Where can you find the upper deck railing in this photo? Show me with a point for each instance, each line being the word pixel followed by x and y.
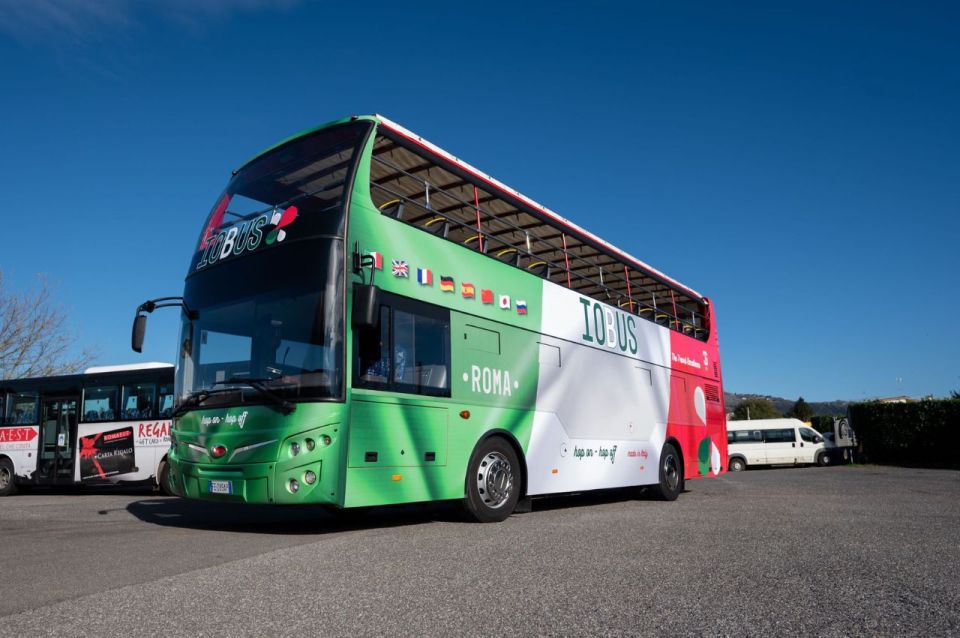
pixel 410 185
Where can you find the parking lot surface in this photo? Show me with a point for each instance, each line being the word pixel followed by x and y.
pixel 854 550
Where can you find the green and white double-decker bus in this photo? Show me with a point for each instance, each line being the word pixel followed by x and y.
pixel 368 320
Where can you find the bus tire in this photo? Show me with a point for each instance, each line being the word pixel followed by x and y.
pixel 8 485
pixel 671 475
pixel 493 482
pixel 823 459
pixel 737 465
pixel 163 478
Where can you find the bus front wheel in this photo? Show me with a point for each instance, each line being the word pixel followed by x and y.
pixel 737 465
pixel 7 484
pixel 493 482
pixel 671 475
pixel 163 478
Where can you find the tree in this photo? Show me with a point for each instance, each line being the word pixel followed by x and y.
pixel 801 410
pixel 34 338
pixel 755 409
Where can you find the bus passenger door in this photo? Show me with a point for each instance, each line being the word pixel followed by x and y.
pixel 58 439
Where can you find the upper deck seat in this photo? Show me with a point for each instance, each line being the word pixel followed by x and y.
pixel 393 208
pixel 540 269
pixel 438 226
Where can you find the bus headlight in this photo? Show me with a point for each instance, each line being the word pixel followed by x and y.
pixel 293 486
pixel 309 477
pixel 310 445
pixel 294 448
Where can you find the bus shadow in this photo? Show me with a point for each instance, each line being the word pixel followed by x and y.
pixel 307 520
pixel 594 498
pixel 268 519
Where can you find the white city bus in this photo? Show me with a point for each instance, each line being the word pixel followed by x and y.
pixel 110 424
pixel 773 442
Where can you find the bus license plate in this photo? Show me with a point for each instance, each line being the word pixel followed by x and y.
pixel 221 487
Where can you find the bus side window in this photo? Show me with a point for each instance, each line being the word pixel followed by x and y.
pixel 138 400
pixel 21 408
pixel 166 401
pixel 407 351
pixel 100 403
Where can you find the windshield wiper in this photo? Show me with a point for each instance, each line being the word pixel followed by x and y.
pixel 260 386
pixel 195 399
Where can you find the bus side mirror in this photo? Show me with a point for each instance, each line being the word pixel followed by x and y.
pixel 366 300
pixel 139 330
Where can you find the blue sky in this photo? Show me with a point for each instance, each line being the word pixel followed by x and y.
pixel 798 163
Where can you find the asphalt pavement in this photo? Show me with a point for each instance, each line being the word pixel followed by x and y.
pixel 855 550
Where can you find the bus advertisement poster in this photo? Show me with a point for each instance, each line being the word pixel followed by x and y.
pixel 106 454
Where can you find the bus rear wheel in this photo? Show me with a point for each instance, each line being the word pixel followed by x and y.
pixel 671 475
pixel 7 484
pixel 493 482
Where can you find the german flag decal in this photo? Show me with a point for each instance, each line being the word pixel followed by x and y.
pixel 446 284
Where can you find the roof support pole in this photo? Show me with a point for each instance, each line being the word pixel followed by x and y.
pixel 566 258
pixel 626 274
pixel 674 298
pixel 476 203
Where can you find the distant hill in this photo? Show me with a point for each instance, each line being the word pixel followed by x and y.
pixel 784 405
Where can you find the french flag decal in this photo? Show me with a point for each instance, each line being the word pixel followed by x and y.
pixel 425 276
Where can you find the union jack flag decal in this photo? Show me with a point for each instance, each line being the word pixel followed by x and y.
pixel 400 268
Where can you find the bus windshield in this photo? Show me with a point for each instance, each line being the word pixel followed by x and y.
pixel 293 192
pixel 265 286
pixel 274 318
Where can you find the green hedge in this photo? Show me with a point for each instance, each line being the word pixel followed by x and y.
pixel 926 433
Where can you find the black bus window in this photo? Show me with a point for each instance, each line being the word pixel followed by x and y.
pixel 166 401
pixel 21 409
pixel 373 350
pixel 138 400
pixel 100 403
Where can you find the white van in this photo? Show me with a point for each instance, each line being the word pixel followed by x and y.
pixel 773 442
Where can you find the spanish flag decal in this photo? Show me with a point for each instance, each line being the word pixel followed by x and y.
pixel 446 284
pixel 467 291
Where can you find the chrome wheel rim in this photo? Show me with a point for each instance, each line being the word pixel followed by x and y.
pixel 5 478
pixel 671 472
pixel 494 480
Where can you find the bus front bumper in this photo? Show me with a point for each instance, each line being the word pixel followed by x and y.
pixel 255 483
